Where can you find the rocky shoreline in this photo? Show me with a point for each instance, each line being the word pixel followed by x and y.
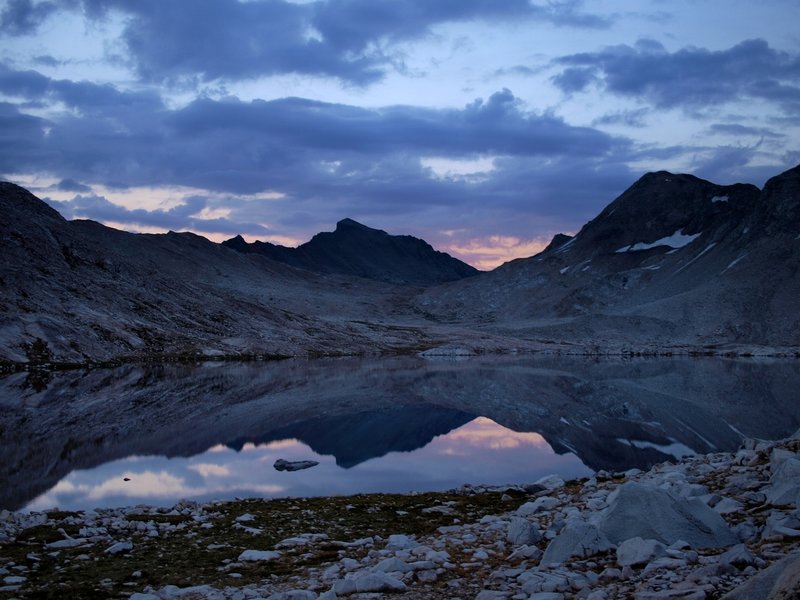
pixel 709 526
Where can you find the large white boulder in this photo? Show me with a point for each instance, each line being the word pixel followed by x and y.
pixel 640 510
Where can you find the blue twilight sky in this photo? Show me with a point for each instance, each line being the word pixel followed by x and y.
pixel 483 126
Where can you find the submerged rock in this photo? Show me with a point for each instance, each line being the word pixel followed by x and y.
pixel 296 465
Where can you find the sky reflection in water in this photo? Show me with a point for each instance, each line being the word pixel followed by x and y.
pixel 480 451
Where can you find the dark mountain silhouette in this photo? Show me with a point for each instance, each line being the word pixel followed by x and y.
pixel 675 260
pixel 355 249
pixel 675 264
pixel 357 437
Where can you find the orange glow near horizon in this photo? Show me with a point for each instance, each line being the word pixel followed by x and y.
pixel 488 253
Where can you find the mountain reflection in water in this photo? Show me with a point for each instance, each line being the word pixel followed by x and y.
pixel 481 450
pixel 400 424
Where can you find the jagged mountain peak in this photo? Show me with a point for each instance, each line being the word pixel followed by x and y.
pixel 558 241
pixel 349 224
pixel 356 249
pixel 779 209
pixel 662 206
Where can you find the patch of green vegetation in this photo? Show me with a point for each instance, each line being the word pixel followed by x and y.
pixel 191 552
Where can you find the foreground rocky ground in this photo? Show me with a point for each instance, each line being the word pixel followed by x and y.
pixel 712 526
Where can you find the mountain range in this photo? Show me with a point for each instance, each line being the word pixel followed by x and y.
pixel 355 249
pixel 675 264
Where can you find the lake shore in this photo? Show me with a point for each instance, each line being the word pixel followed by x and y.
pixel 703 527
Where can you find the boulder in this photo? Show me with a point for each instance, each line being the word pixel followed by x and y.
pixel 784 485
pixel 639 510
pixel 780 581
pixel 522 532
pixel 543 503
pixel 738 556
pixel 399 541
pixel 577 539
pixel 637 551
pixel 367 583
pixel 293 595
pixel 258 555
pixel 550 482
pixel 392 564
pixel 119 547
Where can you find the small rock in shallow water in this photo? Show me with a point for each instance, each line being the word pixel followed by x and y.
pixel 296 465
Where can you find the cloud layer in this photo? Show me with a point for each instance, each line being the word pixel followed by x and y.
pixel 351 40
pixel 690 77
pixel 187 100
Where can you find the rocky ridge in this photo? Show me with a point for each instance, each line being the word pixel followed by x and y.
pixel 720 525
pixel 674 260
pixel 674 265
pixel 358 250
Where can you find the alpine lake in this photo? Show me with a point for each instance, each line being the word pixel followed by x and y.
pixel 155 434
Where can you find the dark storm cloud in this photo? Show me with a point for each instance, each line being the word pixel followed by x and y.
pixel 83 95
pixel 183 216
pixel 70 185
pixel 495 126
pixel 691 77
pixel 328 160
pixel 130 138
pixel 351 40
pixel 23 17
pixel 574 79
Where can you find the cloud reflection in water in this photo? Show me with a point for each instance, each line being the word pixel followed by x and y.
pixel 480 451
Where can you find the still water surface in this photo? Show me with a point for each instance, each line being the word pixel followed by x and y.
pixel 480 451
pixel 158 434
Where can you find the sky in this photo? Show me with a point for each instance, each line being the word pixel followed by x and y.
pixel 482 126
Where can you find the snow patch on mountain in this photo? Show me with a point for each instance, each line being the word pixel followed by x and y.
pixel 676 240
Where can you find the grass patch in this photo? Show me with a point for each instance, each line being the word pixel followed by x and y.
pixel 204 550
